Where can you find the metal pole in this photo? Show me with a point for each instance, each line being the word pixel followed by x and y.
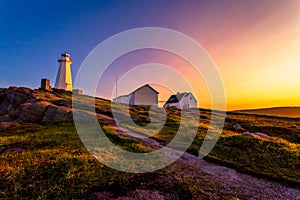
pixel 116 85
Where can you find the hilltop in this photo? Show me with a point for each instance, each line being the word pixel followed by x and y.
pixel 41 155
pixel 275 111
pixel 20 104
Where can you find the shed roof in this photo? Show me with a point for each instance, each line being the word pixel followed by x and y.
pixel 147 85
pixel 128 95
pixel 175 98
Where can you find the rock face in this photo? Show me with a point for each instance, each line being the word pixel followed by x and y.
pixel 19 104
pixel 31 112
pixel 57 114
pixel 5 107
pixel 23 104
pixel 257 135
pixel 13 97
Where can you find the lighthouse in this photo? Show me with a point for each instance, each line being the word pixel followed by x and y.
pixel 64 76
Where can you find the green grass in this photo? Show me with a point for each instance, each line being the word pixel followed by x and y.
pixel 55 165
pixel 48 161
pixel 277 158
pixel 286 128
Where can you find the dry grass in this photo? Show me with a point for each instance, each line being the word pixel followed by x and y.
pixel 48 161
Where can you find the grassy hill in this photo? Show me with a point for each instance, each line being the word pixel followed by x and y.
pixel 46 160
pixel 276 111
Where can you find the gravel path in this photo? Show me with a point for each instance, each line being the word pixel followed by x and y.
pixel 255 188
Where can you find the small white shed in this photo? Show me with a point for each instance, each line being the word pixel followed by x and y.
pixel 144 95
pixel 181 100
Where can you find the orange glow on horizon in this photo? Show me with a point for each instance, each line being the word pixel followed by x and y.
pixel 258 58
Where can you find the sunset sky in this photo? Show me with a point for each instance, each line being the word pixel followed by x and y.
pixel 255 44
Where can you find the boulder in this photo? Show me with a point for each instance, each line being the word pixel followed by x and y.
pixel 63 102
pixel 57 114
pixel 18 96
pixel 238 128
pixel 13 88
pixel 13 97
pixel 10 94
pixel 257 135
pixel 5 107
pixel 25 90
pixel 31 112
pixel 261 135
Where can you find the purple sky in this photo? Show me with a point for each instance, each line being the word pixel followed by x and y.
pixel 34 33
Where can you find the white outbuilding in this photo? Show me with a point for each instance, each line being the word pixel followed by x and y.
pixel 144 95
pixel 181 100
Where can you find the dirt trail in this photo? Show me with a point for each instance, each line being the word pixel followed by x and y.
pixel 255 188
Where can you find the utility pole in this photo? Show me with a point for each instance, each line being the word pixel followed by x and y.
pixel 116 85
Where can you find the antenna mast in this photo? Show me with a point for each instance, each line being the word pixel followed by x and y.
pixel 116 85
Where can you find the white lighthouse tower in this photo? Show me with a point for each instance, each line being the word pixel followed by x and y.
pixel 64 76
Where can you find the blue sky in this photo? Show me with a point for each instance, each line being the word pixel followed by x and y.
pixel 251 41
pixel 34 33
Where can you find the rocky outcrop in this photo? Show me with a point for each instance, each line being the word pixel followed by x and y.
pixel 27 105
pixel 31 112
pixel 257 135
pixel 13 97
pixel 6 108
pixel 238 128
pixel 19 104
pixel 57 114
